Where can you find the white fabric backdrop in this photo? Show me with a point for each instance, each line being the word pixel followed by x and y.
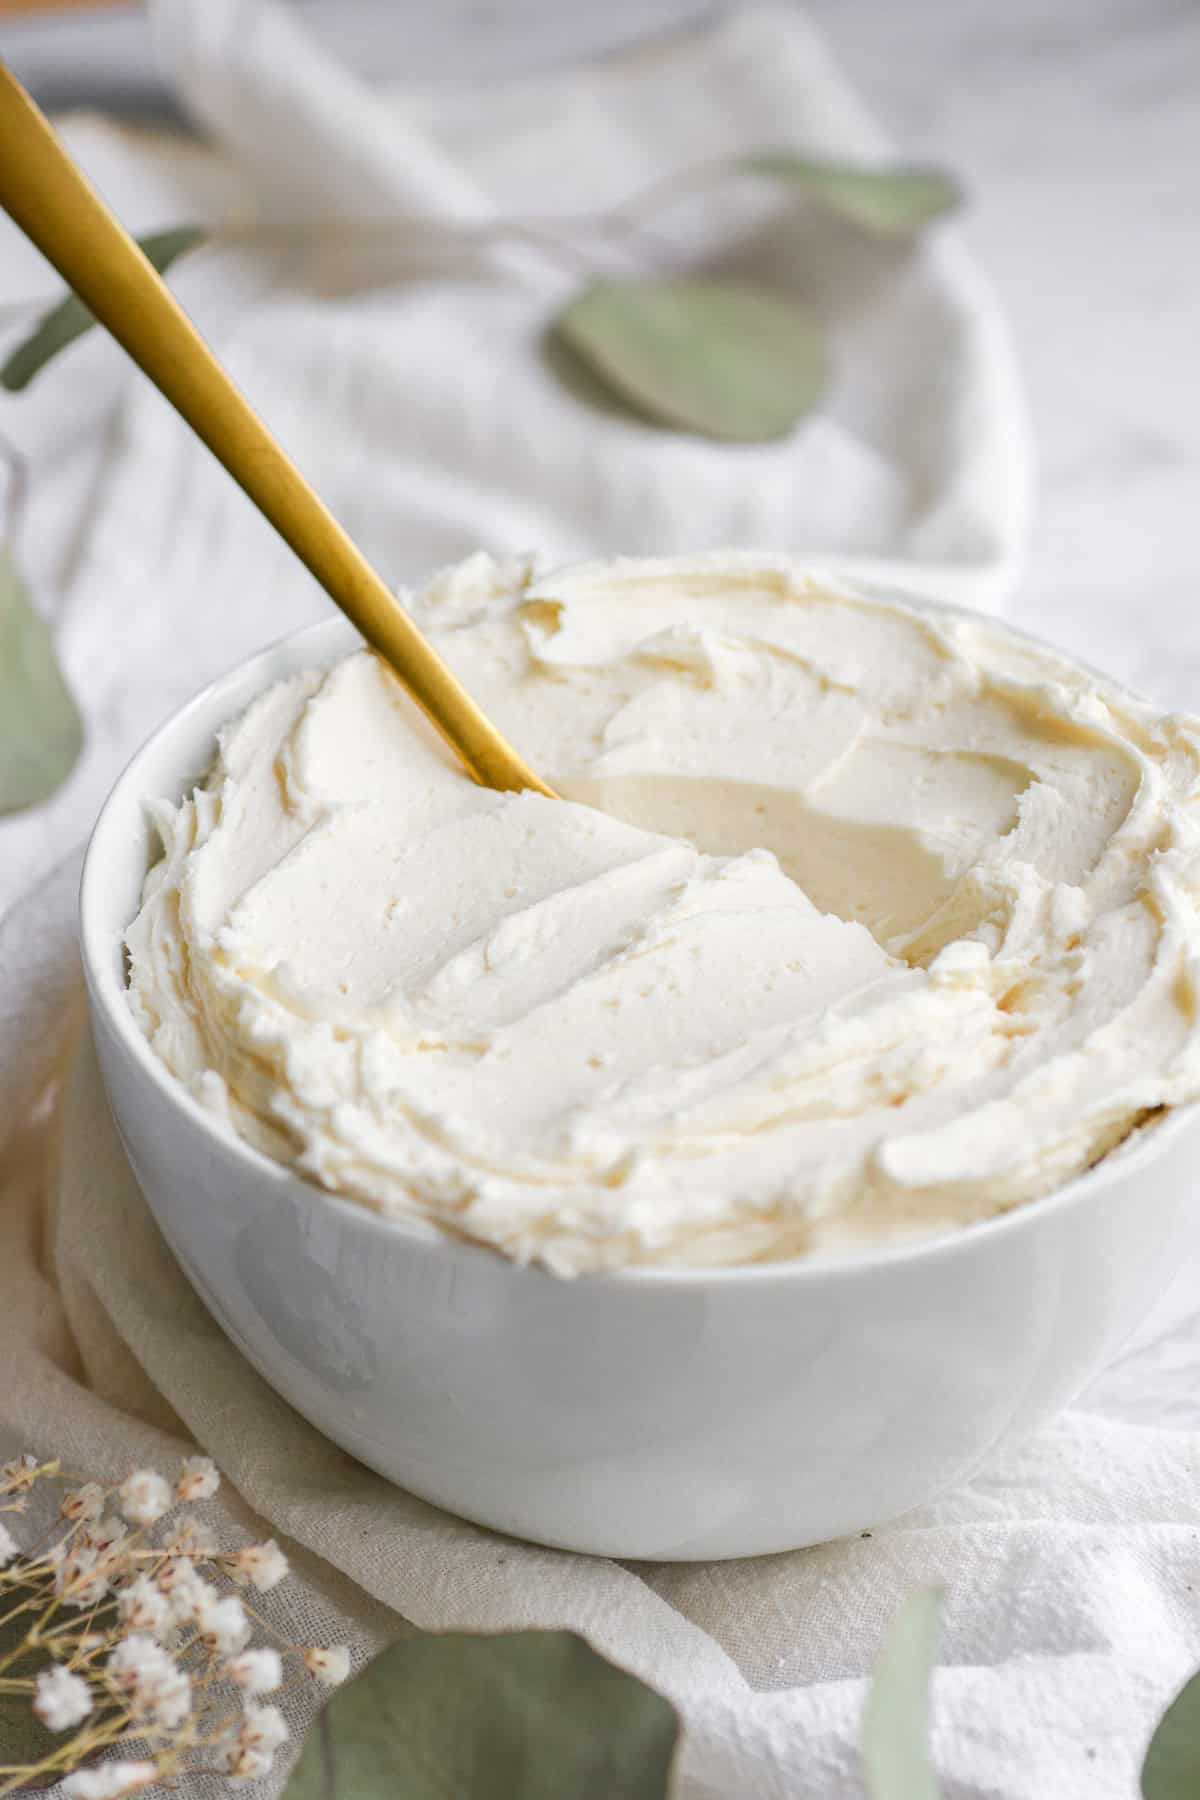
pixel 421 408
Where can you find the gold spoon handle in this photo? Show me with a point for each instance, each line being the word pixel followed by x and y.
pixel 54 204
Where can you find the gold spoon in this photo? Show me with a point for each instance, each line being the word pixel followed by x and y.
pixel 55 205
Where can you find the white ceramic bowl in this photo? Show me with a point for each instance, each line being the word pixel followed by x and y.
pixel 650 1413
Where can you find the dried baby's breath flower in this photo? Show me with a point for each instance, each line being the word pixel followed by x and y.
pixel 257 1671
pixel 157 1688
pixel 198 1479
pixel 141 1606
pixel 164 1649
pixel 81 1578
pixel 190 1595
pixel 136 1659
pixel 144 1497
pixel 250 1748
pixel 171 1701
pixel 222 1624
pixel 83 1503
pixel 262 1565
pixel 173 1573
pixel 19 1474
pixel 330 1666
pixel 190 1538
pixel 243 1765
pixel 61 1699
pixel 263 1728
pixel 104 1533
pixel 109 1781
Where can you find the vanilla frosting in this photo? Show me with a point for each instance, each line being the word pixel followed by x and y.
pixel 857 921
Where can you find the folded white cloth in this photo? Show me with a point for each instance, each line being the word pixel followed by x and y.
pixel 422 409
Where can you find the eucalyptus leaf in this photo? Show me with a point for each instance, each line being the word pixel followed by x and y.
pixel 1171 1770
pixel 526 1715
pixel 41 733
pixel 71 318
pixel 580 380
pixel 889 203
pixel 894 1742
pixel 726 359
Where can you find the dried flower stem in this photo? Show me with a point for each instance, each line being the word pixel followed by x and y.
pixel 140 1644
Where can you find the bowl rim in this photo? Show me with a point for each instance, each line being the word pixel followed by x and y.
pixel 1144 1145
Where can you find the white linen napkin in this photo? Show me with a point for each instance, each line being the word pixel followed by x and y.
pixel 423 411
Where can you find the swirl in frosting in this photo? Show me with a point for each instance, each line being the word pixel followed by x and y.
pixel 858 921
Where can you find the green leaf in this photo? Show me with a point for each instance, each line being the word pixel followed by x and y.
pixel 71 318
pixel 889 203
pixel 41 732
pixel 1171 1770
pixel 894 1744
pixel 726 359
pixel 528 1715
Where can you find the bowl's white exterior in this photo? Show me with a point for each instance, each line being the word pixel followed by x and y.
pixel 659 1414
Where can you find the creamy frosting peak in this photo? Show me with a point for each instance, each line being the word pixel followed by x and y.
pixel 857 921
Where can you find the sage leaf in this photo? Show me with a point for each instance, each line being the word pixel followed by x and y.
pixel 1171 1770
pixel 725 359
pixel 41 733
pixel 894 1742
pixel 525 1715
pixel 71 318
pixel 888 203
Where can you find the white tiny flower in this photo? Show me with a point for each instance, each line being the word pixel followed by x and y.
pixel 171 1699
pixel 257 1671
pixel 9 1546
pixel 144 1497
pixel 143 1607
pixel 158 1689
pixel 198 1479
pixel 262 1728
pixel 109 1780
pixel 81 1578
pixel 19 1474
pixel 222 1624
pixel 104 1533
pixel 189 1595
pixel 249 1750
pixel 176 1572
pixel 330 1666
pixel 262 1565
pixel 61 1699
pixel 190 1538
pixel 86 1502
pixel 243 1765
pixel 136 1659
